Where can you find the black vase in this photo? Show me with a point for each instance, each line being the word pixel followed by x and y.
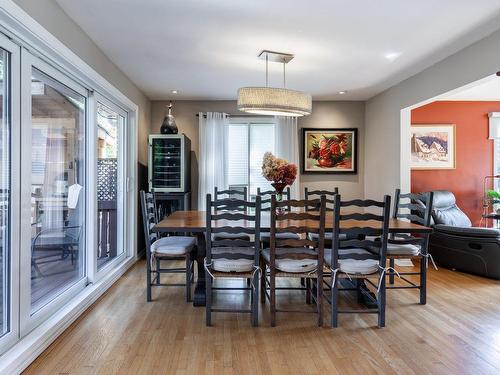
pixel 169 126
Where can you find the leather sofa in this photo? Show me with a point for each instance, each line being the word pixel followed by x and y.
pixel 456 244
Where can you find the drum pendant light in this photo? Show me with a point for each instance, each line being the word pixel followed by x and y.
pixel 272 100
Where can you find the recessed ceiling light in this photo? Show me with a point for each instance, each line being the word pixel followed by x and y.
pixel 391 56
pixel 342 92
pixel 175 91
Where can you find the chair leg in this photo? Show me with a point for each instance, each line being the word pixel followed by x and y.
pixel 359 294
pixel 255 300
pixel 263 282
pixel 391 273
pixel 272 293
pixel 189 265
pixel 148 280
pixel 308 290
pixel 334 295
pixel 423 281
pixel 158 263
pixel 381 304
pixel 319 297
pixel 208 298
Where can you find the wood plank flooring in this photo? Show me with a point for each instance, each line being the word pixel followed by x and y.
pixel 457 332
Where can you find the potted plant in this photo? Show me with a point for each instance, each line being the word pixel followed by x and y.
pixel 279 172
pixel 494 197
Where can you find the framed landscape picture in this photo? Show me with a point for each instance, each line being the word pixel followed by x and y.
pixel 432 146
pixel 329 150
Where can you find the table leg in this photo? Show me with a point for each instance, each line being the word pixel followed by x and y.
pixel 199 290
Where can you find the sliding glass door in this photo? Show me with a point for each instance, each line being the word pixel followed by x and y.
pixel 53 189
pixel 109 137
pixel 9 191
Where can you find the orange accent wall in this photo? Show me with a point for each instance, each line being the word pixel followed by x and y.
pixel 474 152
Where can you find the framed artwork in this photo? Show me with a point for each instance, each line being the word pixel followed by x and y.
pixel 329 150
pixel 433 146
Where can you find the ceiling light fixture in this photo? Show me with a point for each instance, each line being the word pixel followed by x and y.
pixel 342 92
pixel 175 92
pixel 272 100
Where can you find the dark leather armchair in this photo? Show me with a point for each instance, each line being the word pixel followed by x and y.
pixel 456 244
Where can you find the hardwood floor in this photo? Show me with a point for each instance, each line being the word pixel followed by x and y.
pixel 457 332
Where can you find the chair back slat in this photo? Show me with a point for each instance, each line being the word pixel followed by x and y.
pixel 149 218
pixel 361 216
pixel 234 222
pixel 329 194
pixel 362 203
pixel 310 221
pixel 419 204
pixel 232 226
pixel 226 198
pixel 345 235
pixel 266 198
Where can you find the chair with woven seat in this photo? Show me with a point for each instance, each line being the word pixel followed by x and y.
pixel 232 257
pixel 330 196
pixel 358 253
pixel 404 246
pixel 266 206
pixel 300 258
pixel 160 249
pixel 232 195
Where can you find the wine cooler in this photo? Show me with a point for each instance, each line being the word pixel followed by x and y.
pixel 168 169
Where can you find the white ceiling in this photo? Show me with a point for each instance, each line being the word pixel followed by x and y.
pixel 206 49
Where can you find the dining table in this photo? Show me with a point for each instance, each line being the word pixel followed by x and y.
pixel 195 222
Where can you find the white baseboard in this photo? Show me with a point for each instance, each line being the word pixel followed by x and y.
pixel 16 359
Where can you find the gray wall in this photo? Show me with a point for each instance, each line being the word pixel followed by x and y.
pixel 325 114
pixel 383 123
pixel 52 17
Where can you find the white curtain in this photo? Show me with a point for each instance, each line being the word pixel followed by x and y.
pixel 213 144
pixel 286 138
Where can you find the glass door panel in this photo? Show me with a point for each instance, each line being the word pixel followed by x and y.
pixel 5 189
pixel 53 190
pixel 57 194
pixel 167 159
pixel 110 126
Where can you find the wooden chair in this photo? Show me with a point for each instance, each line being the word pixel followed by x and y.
pixel 266 206
pixel 404 246
pixel 231 194
pixel 354 257
pixel 295 258
pixel 232 257
pixel 315 194
pixel 330 200
pixel 164 249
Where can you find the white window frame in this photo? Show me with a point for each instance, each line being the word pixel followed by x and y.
pixel 11 336
pixel 29 320
pixel 24 32
pixel 96 274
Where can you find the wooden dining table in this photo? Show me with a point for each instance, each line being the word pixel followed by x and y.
pixel 195 222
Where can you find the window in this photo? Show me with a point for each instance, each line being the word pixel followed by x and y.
pixel 496 163
pixel 247 143
pixel 110 127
